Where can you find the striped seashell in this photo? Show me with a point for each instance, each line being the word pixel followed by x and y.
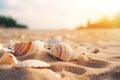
pixel 62 51
pixel 28 47
pixel 32 63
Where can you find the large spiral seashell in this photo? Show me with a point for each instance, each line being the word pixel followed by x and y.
pixel 32 63
pixel 65 52
pixel 62 51
pixel 28 47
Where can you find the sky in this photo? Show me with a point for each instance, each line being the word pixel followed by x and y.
pixel 58 14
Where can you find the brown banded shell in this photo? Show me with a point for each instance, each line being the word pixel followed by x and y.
pixel 32 63
pixel 28 47
pixel 62 51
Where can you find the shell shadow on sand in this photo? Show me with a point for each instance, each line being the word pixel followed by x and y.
pixel 65 66
pixel 115 58
pixel 113 74
pixel 7 73
pixel 43 55
pixel 93 63
pixel 11 73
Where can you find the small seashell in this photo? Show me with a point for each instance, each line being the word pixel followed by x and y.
pixel 78 52
pixel 32 63
pixel 8 59
pixel 82 58
pixel 6 50
pixel 11 44
pixel 11 59
pixel 62 51
pixel 1 47
pixel 29 47
pixel 95 50
pixel 54 40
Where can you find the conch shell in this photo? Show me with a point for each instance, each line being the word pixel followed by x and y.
pixel 65 52
pixel 29 47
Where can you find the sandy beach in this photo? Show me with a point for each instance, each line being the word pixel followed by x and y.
pixel 104 65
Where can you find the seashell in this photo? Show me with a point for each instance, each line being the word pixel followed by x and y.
pixel 78 52
pixel 62 51
pixel 54 40
pixel 8 59
pixel 11 59
pixel 6 50
pixel 29 47
pixel 1 47
pixel 82 58
pixel 32 63
pixel 95 50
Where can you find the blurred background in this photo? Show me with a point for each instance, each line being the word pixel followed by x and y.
pixel 60 14
pixel 75 21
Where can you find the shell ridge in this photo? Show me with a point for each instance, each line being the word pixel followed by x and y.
pixel 23 50
pixel 19 49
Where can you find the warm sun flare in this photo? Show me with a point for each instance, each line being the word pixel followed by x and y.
pixel 110 7
pixel 61 13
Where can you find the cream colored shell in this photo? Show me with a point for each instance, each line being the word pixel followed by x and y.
pixel 8 59
pixel 65 52
pixel 32 63
pixel 62 51
pixel 11 60
pixel 78 52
